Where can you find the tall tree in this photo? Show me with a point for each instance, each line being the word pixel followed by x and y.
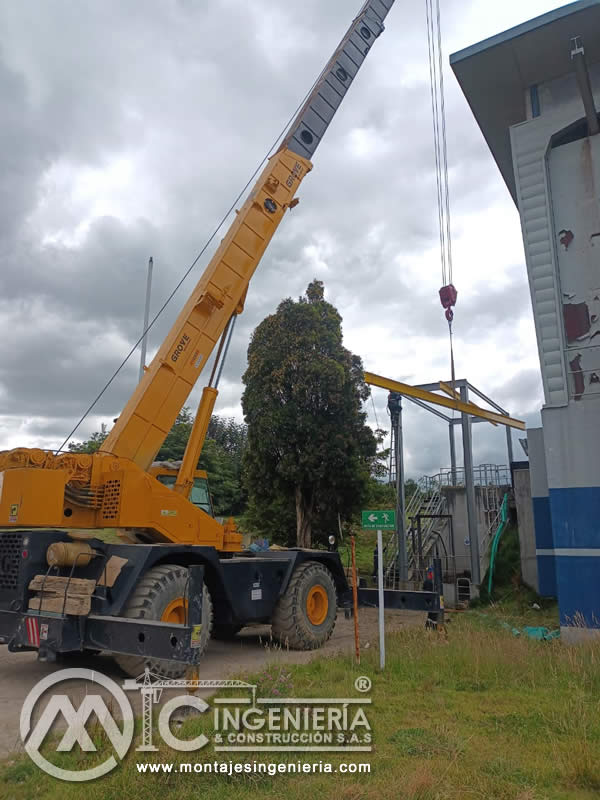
pixel 92 444
pixel 221 456
pixel 176 439
pixel 308 445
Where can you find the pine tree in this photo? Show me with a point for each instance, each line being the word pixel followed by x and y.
pixel 309 448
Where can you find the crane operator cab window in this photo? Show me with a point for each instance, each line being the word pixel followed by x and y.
pixel 199 496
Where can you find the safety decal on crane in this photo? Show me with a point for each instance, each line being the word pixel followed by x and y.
pixel 33 633
pixel 196 637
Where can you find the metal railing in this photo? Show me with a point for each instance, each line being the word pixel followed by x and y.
pixel 483 475
pixel 428 500
pixel 497 515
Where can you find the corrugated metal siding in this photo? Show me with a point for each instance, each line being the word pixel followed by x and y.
pixel 529 142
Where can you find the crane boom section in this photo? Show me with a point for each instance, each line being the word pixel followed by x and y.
pixel 307 129
pixel 114 487
pixel 152 409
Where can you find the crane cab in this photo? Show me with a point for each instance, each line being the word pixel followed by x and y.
pixel 166 473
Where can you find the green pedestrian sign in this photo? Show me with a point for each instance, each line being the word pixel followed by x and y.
pixel 379 520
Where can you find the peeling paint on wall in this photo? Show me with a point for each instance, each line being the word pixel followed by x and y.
pixel 565 238
pixel 575 179
pixel 577 320
pixel 578 378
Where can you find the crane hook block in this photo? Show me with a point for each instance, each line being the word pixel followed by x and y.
pixel 448 295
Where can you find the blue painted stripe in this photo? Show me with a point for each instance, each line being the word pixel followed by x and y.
pixel 575 517
pixel 547 576
pixel 578 583
pixel 542 522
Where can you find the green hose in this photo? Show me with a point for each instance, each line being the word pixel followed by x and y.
pixel 496 540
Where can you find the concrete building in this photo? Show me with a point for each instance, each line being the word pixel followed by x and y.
pixel 525 515
pixel 534 91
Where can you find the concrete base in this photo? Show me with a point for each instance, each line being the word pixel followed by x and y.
pixel 524 506
pixel 570 634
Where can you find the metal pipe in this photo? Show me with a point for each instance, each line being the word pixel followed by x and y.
pixel 146 317
pixel 227 343
pixel 509 448
pixel 381 603
pixel 222 341
pixel 585 88
pixel 452 454
pixel 400 502
pixel 470 491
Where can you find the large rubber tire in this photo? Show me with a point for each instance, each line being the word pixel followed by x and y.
pixel 291 624
pixel 159 587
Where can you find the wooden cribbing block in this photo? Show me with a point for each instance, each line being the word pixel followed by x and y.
pixel 51 591
pixel 57 584
pixel 79 605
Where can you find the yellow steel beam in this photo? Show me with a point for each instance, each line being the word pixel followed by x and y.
pixel 456 395
pixel 439 400
pixel 447 389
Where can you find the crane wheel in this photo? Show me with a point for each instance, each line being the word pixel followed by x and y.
pixel 304 617
pixel 160 595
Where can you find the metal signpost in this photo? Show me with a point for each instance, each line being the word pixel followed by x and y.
pixel 380 521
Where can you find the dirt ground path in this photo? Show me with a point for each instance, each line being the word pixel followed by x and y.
pixel 247 653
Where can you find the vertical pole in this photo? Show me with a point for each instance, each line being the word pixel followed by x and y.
pixel 392 475
pixel 146 317
pixel 470 490
pixel 381 602
pixel 420 565
pixel 452 545
pixel 355 596
pixel 452 453
pixel 438 586
pixel 400 504
pixel 509 448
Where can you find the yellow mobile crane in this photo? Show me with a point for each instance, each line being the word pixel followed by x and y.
pixel 152 602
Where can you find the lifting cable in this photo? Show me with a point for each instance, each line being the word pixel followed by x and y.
pixel 447 292
pixel 232 207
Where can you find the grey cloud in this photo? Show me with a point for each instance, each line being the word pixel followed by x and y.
pixel 191 95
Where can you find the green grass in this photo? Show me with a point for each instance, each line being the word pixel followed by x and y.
pixel 474 713
pixel 365 543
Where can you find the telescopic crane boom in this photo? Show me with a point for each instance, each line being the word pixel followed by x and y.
pixel 113 487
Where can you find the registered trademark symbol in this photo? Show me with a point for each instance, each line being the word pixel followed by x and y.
pixel 362 684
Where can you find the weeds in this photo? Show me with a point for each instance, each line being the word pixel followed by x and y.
pixel 481 714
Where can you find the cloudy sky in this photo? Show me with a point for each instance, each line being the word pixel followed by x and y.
pixel 127 130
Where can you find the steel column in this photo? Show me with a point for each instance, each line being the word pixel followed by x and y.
pixel 395 408
pixel 453 454
pixel 509 447
pixel 470 490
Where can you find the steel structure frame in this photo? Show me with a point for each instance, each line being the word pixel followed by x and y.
pixel 457 399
